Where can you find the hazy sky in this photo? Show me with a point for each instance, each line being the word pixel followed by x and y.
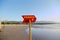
pixel 47 10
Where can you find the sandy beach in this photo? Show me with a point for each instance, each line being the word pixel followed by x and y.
pixel 21 32
pixel 13 32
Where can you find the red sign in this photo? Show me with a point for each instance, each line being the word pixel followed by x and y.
pixel 26 18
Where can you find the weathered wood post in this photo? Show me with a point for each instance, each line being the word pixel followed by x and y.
pixel 30 30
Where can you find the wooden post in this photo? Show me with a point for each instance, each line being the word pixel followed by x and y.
pixel 30 30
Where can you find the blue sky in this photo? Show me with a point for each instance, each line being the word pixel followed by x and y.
pixel 47 10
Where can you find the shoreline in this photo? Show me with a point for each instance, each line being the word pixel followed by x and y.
pixel 14 25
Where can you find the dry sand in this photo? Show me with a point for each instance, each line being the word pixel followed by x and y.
pixel 13 32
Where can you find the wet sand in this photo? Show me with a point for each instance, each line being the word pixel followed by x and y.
pixel 14 33
pixel 21 32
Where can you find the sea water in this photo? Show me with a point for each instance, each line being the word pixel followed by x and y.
pixel 45 32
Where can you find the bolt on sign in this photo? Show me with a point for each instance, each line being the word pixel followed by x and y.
pixel 26 18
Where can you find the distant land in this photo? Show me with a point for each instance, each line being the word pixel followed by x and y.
pixel 20 22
